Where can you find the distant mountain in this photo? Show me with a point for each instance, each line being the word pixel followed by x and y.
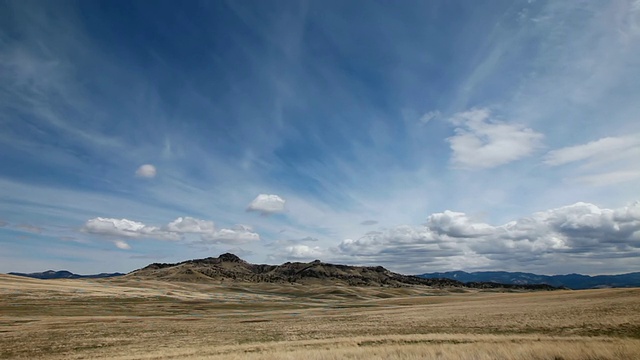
pixel 571 281
pixel 229 267
pixel 64 274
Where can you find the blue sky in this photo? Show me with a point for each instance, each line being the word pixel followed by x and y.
pixel 421 136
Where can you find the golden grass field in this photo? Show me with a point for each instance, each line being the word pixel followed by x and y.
pixel 142 319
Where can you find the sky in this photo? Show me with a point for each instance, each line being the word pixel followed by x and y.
pixel 418 135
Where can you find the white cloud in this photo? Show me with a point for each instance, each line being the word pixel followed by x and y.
pixel 267 204
pixel 282 243
pixel 191 225
pixel 116 227
pixel 604 162
pixel 405 248
pixel 481 142
pixel 303 252
pixel 238 235
pixel 146 171
pixel 554 237
pixel 126 228
pixel 179 229
pixel 296 249
pixel 397 239
pixel 457 224
pixel 121 244
pixel 599 148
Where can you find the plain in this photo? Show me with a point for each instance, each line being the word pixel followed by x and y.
pixel 124 318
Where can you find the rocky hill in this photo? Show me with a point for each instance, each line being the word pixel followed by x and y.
pixel 229 267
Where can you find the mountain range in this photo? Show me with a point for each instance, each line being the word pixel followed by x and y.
pixel 571 281
pixel 229 267
pixel 64 274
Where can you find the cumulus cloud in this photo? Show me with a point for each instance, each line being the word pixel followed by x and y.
pixel 126 228
pixel 457 224
pixel 453 240
pixel 303 252
pixel 267 204
pixel 238 235
pixel 191 225
pixel 582 224
pixel 121 244
pixel 481 142
pixel 296 249
pixel 146 171
pixel 390 240
pixel 179 229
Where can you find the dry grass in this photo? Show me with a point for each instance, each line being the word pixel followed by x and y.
pixel 128 319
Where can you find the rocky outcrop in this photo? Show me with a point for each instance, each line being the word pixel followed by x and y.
pixel 229 267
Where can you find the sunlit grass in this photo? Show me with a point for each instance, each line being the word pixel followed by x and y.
pixel 130 319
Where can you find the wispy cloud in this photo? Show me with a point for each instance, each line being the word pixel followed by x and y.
pixel 481 142
pixel 609 178
pixel 604 162
pixel 409 110
pixel 29 228
pixel 603 148
pixel 431 115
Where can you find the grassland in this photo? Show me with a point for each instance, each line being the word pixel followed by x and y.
pixel 129 319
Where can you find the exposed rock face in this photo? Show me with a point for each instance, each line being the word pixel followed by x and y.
pixel 228 257
pixel 230 267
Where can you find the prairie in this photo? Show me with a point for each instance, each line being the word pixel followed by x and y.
pixel 124 318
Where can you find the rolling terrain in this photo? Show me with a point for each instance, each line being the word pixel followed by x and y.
pixel 131 317
pixel 64 274
pixel 230 268
pixel 571 281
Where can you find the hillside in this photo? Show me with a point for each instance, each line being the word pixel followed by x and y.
pixel 229 267
pixel 571 281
